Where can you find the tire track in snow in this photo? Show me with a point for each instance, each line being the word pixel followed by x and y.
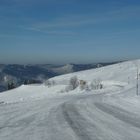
pixel 79 124
pixel 120 114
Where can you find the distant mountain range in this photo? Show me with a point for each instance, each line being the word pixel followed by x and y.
pixel 19 73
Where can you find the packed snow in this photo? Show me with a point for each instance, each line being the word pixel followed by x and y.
pixel 50 112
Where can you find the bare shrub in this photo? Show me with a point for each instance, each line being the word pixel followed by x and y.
pixel 74 82
pixel 96 84
pixel 49 83
pixel 83 84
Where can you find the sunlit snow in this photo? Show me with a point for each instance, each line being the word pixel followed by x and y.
pixel 39 112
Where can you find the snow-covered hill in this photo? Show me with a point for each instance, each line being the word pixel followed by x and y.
pixel 37 73
pixel 48 112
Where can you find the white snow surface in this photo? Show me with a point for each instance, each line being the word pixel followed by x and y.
pixel 38 112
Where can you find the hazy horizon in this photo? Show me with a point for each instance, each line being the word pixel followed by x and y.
pixel 66 63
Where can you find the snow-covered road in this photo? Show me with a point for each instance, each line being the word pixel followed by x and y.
pixel 77 117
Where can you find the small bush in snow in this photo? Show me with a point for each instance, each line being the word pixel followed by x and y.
pixel 49 83
pixel 74 83
pixel 96 84
pixel 83 84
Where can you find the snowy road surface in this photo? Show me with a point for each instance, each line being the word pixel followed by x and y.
pixel 83 117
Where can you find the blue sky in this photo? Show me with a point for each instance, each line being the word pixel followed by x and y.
pixel 69 31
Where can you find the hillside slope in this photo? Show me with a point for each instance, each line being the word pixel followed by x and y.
pixel 42 112
pixel 19 73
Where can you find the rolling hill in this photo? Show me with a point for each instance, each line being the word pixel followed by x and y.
pixel 19 73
